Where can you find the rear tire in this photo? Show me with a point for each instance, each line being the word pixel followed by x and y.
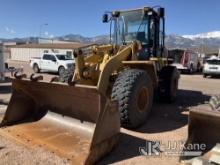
pixel 191 69
pixel 168 86
pixel 61 71
pixel 36 68
pixel 133 90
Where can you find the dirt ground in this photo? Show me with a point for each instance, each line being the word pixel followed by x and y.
pixel 168 122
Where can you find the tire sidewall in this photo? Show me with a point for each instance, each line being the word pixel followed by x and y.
pixel 36 68
pixel 125 90
pixel 61 70
pixel 174 82
pixel 168 76
pixel 135 113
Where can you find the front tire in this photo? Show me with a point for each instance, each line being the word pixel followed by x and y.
pixel 133 90
pixel 66 76
pixel 61 71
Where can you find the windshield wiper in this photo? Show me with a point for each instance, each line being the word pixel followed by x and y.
pixel 142 21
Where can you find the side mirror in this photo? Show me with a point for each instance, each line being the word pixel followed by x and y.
pixel 105 18
pixel 54 60
pixel 161 12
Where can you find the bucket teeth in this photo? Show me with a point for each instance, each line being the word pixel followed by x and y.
pixel 19 75
pixel 54 79
pixel 36 78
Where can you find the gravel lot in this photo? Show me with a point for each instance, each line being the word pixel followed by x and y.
pixel 168 122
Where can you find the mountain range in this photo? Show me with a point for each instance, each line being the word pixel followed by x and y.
pixel 205 42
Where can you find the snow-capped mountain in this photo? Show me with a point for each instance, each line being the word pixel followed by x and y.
pixel 214 34
pixel 203 42
pixel 207 42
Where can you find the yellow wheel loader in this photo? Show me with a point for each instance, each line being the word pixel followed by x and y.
pixel 114 84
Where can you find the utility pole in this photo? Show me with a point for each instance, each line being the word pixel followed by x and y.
pixel 41 26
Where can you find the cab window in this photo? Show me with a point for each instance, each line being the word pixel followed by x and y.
pixel 52 58
pixel 46 57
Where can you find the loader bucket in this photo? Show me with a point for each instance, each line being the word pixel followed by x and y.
pixel 203 129
pixel 75 122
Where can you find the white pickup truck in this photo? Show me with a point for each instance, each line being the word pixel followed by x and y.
pixel 52 62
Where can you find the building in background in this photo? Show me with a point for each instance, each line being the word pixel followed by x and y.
pixel 27 51
pixel 6 49
pixel 52 41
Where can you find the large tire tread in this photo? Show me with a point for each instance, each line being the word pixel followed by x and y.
pixel 167 76
pixel 123 90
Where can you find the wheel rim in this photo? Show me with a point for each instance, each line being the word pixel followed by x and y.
pixel 143 99
pixel 61 71
pixel 35 69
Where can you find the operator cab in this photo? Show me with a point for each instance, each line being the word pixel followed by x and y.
pixel 146 26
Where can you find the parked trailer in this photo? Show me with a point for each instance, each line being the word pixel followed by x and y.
pixel 185 60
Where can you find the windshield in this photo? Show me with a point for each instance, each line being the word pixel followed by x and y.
pixel 130 26
pixel 63 57
pixel 213 62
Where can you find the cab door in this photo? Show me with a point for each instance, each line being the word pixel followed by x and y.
pixel 44 62
pixel 53 65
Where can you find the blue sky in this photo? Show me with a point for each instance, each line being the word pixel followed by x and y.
pixel 21 18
